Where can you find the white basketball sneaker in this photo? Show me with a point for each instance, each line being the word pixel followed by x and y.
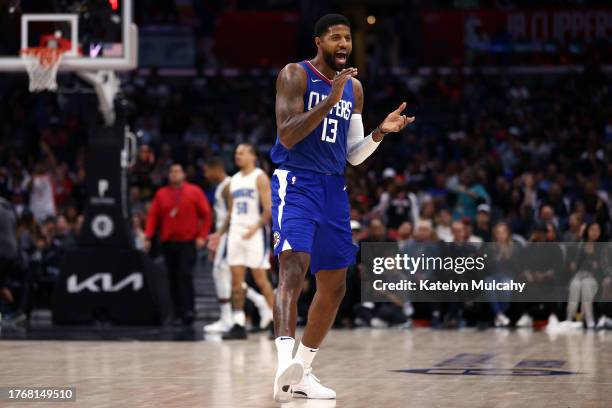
pixel 604 322
pixel 311 387
pixel 287 375
pixel 525 321
pixel 219 326
pixel 501 320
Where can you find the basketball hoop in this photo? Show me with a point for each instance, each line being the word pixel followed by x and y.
pixel 42 64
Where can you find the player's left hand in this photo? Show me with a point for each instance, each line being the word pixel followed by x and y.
pixel 200 243
pixel 395 121
pixel 250 232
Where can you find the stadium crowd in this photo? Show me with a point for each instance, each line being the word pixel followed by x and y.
pixel 495 158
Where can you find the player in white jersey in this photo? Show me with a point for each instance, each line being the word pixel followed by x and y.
pixel 247 244
pixel 214 171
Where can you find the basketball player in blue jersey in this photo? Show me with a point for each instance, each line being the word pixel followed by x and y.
pixel 318 116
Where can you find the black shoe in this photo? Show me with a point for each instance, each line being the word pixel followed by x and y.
pixel 188 319
pixel 237 332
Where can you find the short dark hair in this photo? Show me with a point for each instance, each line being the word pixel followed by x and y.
pixel 252 147
pixel 215 161
pixel 329 20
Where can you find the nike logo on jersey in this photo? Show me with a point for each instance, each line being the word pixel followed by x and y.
pixel 344 188
pixel 316 80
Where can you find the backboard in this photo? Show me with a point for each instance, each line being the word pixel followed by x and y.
pixel 96 34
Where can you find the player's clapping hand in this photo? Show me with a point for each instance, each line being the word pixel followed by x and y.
pixel 250 232
pixel 338 85
pixel 395 121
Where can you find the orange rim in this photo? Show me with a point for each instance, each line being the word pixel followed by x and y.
pixel 46 56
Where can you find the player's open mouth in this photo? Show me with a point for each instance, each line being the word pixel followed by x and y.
pixel 340 58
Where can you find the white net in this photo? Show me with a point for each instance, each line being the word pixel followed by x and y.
pixel 42 64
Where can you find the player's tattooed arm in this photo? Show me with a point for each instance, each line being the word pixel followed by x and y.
pixel 227 197
pixel 292 122
pixel 265 198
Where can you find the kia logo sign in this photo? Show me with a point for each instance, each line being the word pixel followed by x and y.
pixel 103 282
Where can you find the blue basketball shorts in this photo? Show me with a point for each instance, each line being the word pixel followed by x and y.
pixel 310 213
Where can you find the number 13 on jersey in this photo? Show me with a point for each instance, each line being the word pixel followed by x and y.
pixel 330 128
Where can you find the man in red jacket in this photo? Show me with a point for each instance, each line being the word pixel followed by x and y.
pixel 183 215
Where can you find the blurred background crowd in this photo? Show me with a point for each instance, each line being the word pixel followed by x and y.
pixel 494 156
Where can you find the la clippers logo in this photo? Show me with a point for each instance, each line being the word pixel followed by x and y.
pixel 102 187
pixel 276 239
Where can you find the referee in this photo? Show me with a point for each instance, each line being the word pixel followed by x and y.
pixel 182 213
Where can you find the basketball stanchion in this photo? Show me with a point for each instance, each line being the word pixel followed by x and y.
pixel 107 85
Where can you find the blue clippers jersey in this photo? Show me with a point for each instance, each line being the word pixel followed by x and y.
pixel 323 150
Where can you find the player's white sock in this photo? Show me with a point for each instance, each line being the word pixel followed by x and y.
pixel 289 372
pixel 284 349
pixel 257 298
pixel 226 313
pixel 239 317
pixel 306 355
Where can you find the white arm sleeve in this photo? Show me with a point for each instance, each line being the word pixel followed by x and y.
pixel 358 147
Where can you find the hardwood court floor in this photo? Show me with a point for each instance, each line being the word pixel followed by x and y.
pixel 458 369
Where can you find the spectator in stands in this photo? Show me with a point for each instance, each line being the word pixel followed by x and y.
pixel 502 266
pixel 404 234
pixel 541 264
pixel 62 186
pixel 555 199
pixel 590 266
pixel 422 242
pixel 482 225
pixel 469 231
pixel 400 208
pixel 136 204
pixel 548 217
pixel 183 215
pixel 42 202
pixel 605 305
pixel 470 194
pixel 63 234
pixel 138 232
pixel 451 313
pixel 141 171
pixel 377 232
pixel 9 261
pixel 443 223
pixel 575 228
